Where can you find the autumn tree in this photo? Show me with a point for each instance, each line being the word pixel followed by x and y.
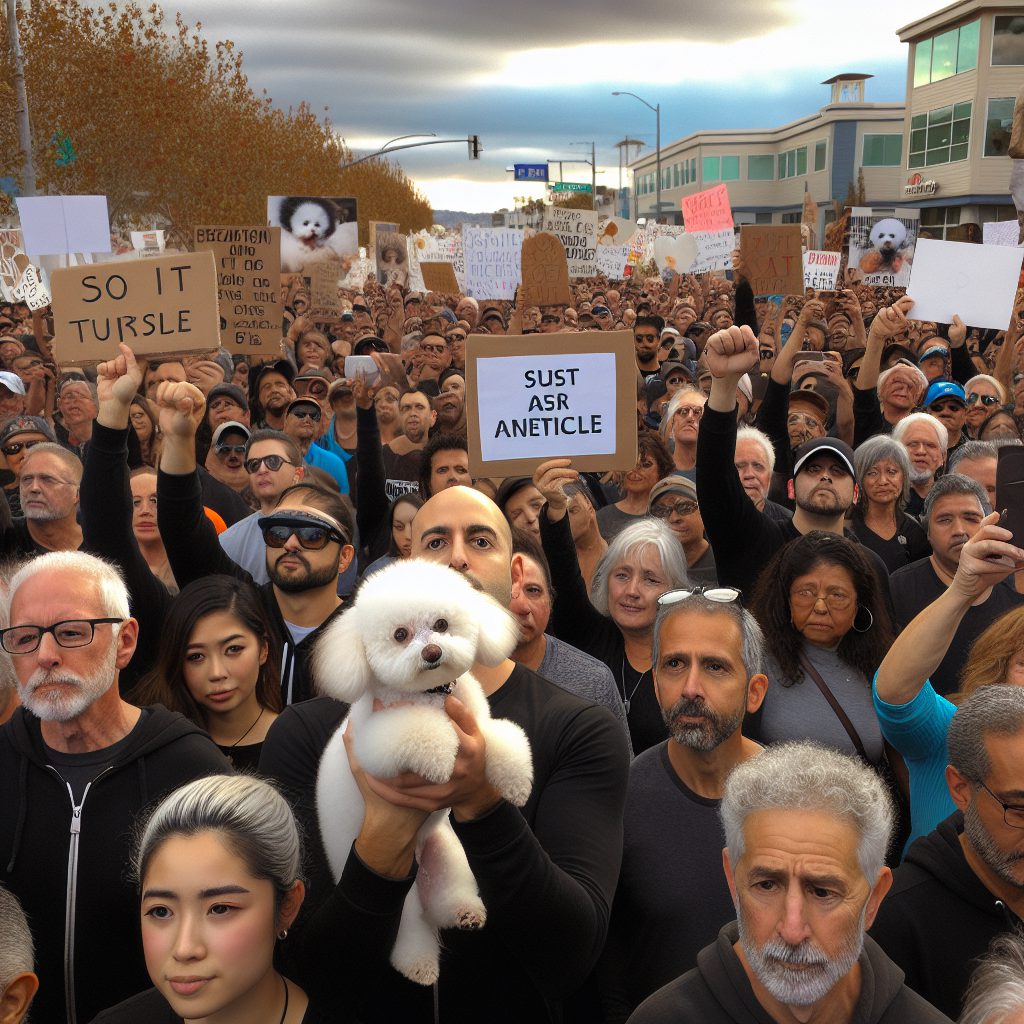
pixel 167 126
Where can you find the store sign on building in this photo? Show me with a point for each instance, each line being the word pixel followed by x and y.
pixel 917 186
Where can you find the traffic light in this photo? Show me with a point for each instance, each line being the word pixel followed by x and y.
pixel 474 147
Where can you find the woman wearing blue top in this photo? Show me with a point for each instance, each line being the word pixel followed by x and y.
pixel 913 717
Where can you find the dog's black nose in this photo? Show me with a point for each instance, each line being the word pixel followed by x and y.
pixel 432 653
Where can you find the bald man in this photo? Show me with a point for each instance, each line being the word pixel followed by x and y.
pixel 547 872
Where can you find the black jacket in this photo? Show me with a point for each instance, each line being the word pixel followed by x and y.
pixel 717 991
pixel 72 863
pixel 938 917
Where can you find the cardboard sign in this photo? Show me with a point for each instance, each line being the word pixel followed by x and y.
pixel 821 269
pixel 534 398
pixel 248 262
pixel 383 227
pixel 439 277
pixel 882 247
pixel 577 231
pixel 159 306
pixel 59 225
pixel 810 212
pixel 708 210
pixel 1001 232
pixel 493 262
pixel 545 272
pixel 324 280
pixel 714 250
pixel 612 260
pixel 773 257
pixel 978 282
pixel 12 262
pixel 313 228
pixel 392 256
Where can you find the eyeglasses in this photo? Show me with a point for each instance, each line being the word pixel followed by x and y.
pixel 690 412
pixel 767 353
pixel 15 446
pixel 68 633
pixel 1013 815
pixel 306 414
pixel 224 450
pixel 683 507
pixel 273 463
pixel 311 538
pixel 973 398
pixel 720 595
pixel 550 320
pixel 836 601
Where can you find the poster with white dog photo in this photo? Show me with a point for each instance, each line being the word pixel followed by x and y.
pixel 313 229
pixel 882 245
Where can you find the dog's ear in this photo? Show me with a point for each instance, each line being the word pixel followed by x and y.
pixel 340 669
pixel 499 631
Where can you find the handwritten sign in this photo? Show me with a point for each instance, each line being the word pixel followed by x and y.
pixel 809 216
pixel 530 399
pixel 714 250
pixel 439 276
pixel 882 246
pixel 323 287
pixel 1001 232
pixel 31 289
pixel 493 267
pixel 577 231
pixel 708 210
pixel 773 256
pixel 158 306
pixel 612 260
pixel 248 262
pixel 821 269
pixel 545 272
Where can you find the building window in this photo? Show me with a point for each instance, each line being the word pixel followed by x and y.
pixel 762 218
pixel 711 168
pixel 941 136
pixel 676 180
pixel 760 168
pixel 791 218
pixel 793 163
pixel 938 221
pixel 997 126
pixel 730 168
pixel 947 54
pixel 693 170
pixel 1008 40
pixel 820 149
pixel 882 150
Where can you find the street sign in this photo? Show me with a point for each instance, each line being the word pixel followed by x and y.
pixel 571 186
pixel 531 172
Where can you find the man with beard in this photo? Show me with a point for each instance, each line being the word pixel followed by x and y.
pixel 646 339
pixel 302 425
pixel 962 884
pixel 450 404
pixel 71 762
pixel 270 391
pixel 708 673
pixel 925 438
pixel 806 831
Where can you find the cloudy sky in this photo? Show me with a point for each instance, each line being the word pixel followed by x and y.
pixel 533 77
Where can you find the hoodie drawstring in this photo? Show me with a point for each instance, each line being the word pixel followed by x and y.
pixel 19 828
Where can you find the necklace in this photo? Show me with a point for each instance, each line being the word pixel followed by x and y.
pixel 239 740
pixel 284 1012
pixel 629 700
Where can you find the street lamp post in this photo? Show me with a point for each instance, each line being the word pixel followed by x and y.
pixel 657 144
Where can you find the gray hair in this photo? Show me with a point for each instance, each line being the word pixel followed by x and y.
pixel 997 985
pixel 761 438
pixel 753 638
pixel 249 814
pixel 634 540
pixel 17 954
pixel 810 777
pixel 883 377
pixel 972 450
pixel 986 378
pixel 996 710
pixel 674 402
pixel 941 433
pixel 875 450
pixel 72 463
pixel 105 576
pixel 954 483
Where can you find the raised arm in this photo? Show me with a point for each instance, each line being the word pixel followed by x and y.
pixel 782 371
pixel 888 321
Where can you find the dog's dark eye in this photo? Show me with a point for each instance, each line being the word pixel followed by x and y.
pixel 441 625
pixel 401 634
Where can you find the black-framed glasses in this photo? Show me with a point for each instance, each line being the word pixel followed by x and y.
pixel 720 595
pixel 67 633
pixel 15 446
pixel 273 463
pixel 682 507
pixel 306 414
pixel 987 400
pixel 224 450
pixel 1013 814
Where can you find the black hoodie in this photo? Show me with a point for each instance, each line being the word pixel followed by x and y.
pixel 938 917
pixel 717 991
pixel 66 863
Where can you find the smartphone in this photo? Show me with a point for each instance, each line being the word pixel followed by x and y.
pixel 362 366
pixel 811 356
pixel 1010 491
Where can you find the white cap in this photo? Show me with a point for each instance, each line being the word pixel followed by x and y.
pixel 12 382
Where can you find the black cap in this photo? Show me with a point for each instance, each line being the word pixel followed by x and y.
pixel 281 366
pixel 831 444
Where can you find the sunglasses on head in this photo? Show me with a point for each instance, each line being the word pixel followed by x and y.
pixel 15 446
pixel 273 463
pixel 973 398
pixel 720 595
pixel 306 414
pixel 311 537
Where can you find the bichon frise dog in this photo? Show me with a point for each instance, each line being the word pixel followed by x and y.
pixel 888 247
pixel 410 639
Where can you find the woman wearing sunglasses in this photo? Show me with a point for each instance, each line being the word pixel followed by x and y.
pixel 984 394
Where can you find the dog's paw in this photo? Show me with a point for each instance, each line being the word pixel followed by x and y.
pixel 423 971
pixel 517 790
pixel 471 918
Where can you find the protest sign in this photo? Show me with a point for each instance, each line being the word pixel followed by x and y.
pixel 810 211
pixel 159 306
pixel 773 258
pixel 31 289
pixel 534 398
pixel 439 276
pixel 577 231
pixel 381 226
pixel 612 260
pixel 977 282
pixel 324 279
pixel 676 254
pixel 882 247
pixel 492 262
pixel 60 225
pixel 714 250
pixel 615 231
pixel 10 270
pixel 148 242
pixel 821 269
pixel 708 210
pixel 545 272
pixel 1001 232
pixel 313 228
pixel 392 256
pixel 248 262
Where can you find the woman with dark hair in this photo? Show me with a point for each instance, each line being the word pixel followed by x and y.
pixel 146 429
pixel 400 516
pixel 653 462
pixel 215 666
pixel 827 630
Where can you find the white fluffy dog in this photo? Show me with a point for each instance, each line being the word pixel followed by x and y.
pixel 409 640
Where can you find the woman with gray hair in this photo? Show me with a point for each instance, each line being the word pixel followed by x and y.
pixel 614 622
pixel 879 520
pixel 996 992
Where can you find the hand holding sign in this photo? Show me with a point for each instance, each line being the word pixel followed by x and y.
pixel 181 406
pixel 550 479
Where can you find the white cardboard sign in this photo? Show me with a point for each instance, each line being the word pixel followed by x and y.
pixel 821 269
pixel 493 262
pixel 58 225
pixel 1000 232
pixel 612 260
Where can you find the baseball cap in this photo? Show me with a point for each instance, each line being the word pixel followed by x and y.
pixel 820 402
pixel 12 382
pixel 25 425
pixel 229 427
pixel 943 389
pixel 672 368
pixel 511 485
pixel 371 343
pixel 672 484
pixel 935 350
pixel 296 402
pixel 745 387
pixel 232 391
pixel 601 311
pixel 830 444
pixel 281 366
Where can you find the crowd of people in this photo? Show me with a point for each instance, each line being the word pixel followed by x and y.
pixel 772 677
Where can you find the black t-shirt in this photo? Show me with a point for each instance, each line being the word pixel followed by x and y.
pixel 150 1007
pixel 907 545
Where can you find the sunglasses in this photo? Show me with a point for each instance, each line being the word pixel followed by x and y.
pixel 645 337
pixel 223 450
pixel 683 507
pixel 306 414
pixel 273 462
pixel 973 398
pixel 720 595
pixel 15 446
pixel 311 538
pixel 549 320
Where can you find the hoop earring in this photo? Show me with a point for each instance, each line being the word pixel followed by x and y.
pixel 871 619
pixel 283 933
